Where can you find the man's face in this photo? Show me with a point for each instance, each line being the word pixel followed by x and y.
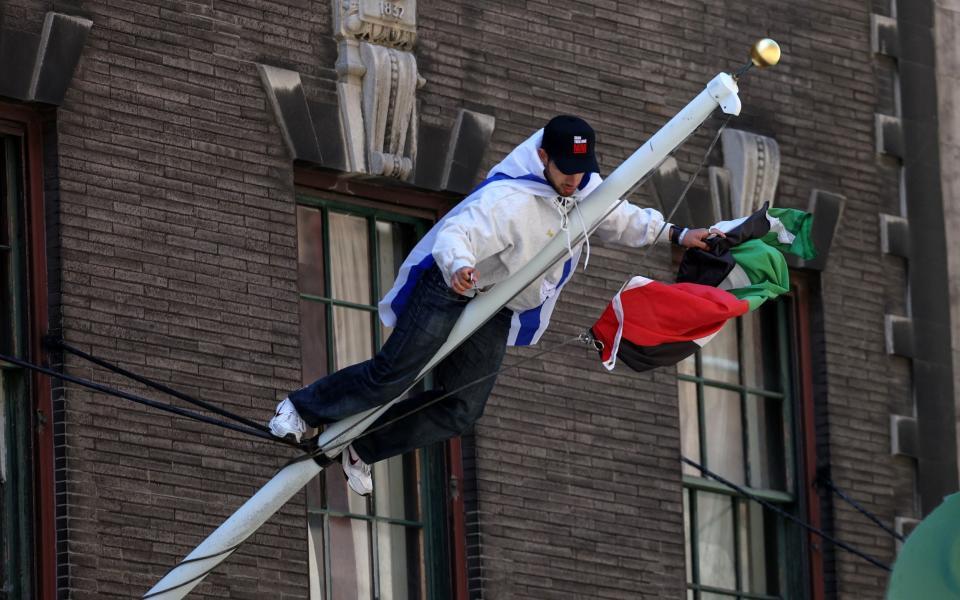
pixel 565 184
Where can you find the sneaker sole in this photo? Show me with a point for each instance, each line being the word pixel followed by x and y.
pixel 286 436
pixel 359 484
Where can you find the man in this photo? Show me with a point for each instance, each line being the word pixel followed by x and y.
pixel 530 197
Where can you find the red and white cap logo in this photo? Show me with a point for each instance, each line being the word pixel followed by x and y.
pixel 579 144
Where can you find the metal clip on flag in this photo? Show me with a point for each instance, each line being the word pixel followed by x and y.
pixel 720 91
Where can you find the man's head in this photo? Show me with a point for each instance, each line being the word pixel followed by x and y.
pixel 567 152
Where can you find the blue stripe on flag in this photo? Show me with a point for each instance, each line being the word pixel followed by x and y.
pixel 529 324
pixel 530 319
pixel 402 298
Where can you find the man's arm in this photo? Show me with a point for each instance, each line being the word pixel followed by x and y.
pixel 467 238
pixel 631 225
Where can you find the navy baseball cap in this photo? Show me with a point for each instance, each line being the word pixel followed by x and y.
pixel 569 142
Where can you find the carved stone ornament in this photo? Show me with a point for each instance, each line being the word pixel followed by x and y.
pixel 377 83
pixel 753 162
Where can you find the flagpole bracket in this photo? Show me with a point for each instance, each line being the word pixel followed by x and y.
pixel 323 461
pixel 587 339
pixel 723 88
pixel 311 447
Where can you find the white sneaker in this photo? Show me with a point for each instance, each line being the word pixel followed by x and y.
pixel 287 422
pixel 357 471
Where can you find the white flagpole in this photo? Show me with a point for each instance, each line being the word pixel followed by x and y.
pixel 721 91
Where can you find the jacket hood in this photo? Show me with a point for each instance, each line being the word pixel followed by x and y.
pixel 523 168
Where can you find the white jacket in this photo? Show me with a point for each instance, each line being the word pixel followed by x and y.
pixel 499 227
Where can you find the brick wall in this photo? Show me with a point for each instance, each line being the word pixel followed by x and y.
pixel 178 257
pixel 578 491
pixel 24 15
pixel 178 261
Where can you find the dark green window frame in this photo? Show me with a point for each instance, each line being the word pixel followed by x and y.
pixel 432 462
pixel 791 560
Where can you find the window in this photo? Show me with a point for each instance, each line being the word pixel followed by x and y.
pixel 736 419
pixel 389 545
pixel 16 440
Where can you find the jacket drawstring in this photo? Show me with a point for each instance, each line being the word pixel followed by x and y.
pixel 586 236
pixel 560 204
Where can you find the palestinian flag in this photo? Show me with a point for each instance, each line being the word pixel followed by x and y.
pixel 784 229
pixel 649 324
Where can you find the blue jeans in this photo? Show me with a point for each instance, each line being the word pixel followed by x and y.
pixel 421 330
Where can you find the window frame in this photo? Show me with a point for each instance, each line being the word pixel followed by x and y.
pixel 28 124
pixel 796 402
pixel 442 524
pixel 431 206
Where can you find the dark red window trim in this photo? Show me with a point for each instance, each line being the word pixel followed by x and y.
pixel 31 121
pixel 803 305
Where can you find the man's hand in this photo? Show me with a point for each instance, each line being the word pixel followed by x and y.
pixel 694 238
pixel 465 278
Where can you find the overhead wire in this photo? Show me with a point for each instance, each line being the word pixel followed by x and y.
pixel 182 412
pixel 62 345
pixel 823 480
pixel 746 494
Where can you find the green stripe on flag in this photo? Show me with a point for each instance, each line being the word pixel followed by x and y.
pixel 797 222
pixel 766 268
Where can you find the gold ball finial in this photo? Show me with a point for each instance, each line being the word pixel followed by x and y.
pixel 765 53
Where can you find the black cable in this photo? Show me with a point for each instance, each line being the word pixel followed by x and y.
pixel 157 386
pixel 876 520
pixel 200 576
pixel 786 515
pixel 146 401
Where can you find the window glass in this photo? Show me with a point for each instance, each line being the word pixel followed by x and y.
pixel 17 482
pixel 353 335
pixel 686 537
pixel 724 434
pixel 715 540
pixel 3 432
pixel 397 547
pixel 394 241
pixel 768 468
pixel 310 259
pixel 313 340
pixel 734 419
pixel 719 357
pixel 350 267
pixel 759 568
pixel 761 355
pixel 350 558
pixel 689 426
pixel 397 499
